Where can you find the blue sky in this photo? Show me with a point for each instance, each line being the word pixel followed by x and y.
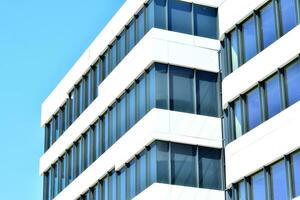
pixel 39 42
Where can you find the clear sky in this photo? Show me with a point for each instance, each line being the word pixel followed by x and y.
pixel 39 42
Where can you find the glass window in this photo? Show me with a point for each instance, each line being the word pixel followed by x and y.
pixel 64 172
pixel 90 85
pixel 81 96
pixel 105 189
pixel 122 185
pixel 96 192
pixel 89 147
pixel 249 39
pixel 50 185
pixel 105 63
pixel 105 123
pixel 160 14
pixel 162 162
pixel 207 93
pixel 122 46
pixel 238 118
pixel 180 16
pixel 268 28
pixel 273 97
pixel 182 89
pixel 142 176
pixel 113 186
pixel 131 35
pixel 73 106
pixel 258 186
pixel 47 137
pixel 56 125
pixel 253 108
pixel 183 165
pixel 151 89
pixel 141 25
pixel 296 173
pixel 161 86
pixel 152 164
pixel 113 122
pixel 141 97
pixel 292 73
pixel 70 164
pixel 113 56
pixel 205 21
pixel 98 139
pixel 279 181
pixel 210 168
pixel 242 195
pixel 150 15
pixel 131 174
pixel 122 114
pixel 234 47
pixel 55 170
pixel 131 106
pixel 288 15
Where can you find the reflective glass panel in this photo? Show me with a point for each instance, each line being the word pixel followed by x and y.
pixel 249 39
pixel 142 171
pixel 296 173
pixel 122 115
pixel 292 74
pixel 205 21
pixel 141 97
pixel 122 46
pixel 234 50
pixel 161 86
pixel 131 35
pixel 272 89
pixel 141 25
pixel 160 14
pixel 288 15
pixel 131 106
pixel 253 108
pixel 279 181
pixel 242 191
pixel 162 162
pixel 258 186
pixel 180 16
pixel 268 28
pixel 238 118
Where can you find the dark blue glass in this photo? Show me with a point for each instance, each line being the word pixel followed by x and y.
pixel 273 100
pixel 55 188
pixel 82 96
pixel 279 181
pixel 142 176
pixel 57 123
pixel 131 106
pixel 122 115
pixel 242 191
pixel 141 97
pixel 160 14
pixel 268 28
pixel 90 86
pixel 258 186
pixel 292 74
pixel 70 165
pixel 73 106
pixel 288 15
pixel 161 86
pixel 183 165
pixel 122 46
pixel 141 25
pixel 207 93
pixel 122 185
pixel 182 89
pixel 131 35
pixel 249 39
pixel 253 108
pixel 162 162
pixel 50 185
pixel 296 173
pixel 180 16
pixel 64 171
pixel 205 21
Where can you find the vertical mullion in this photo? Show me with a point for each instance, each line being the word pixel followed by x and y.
pixel 248 189
pixel 244 114
pixel 263 102
pixel 278 18
pixel 288 166
pixel 195 91
pixel 283 92
pixel 240 45
pixel 258 31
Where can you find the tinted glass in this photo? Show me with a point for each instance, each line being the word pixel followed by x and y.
pixel 132 179
pixel 279 181
pixel 205 21
pixel 242 191
pixel 142 97
pixel 209 168
pixel 141 25
pixel 113 186
pixel 150 15
pixel 162 162
pixel 55 179
pixel 131 106
pixel 73 106
pixel 238 118
pixel 122 46
pixel 258 186
pixel 57 122
pixel 122 114
pixel 152 164
pixel 207 94
pixel 113 122
pixel 268 28
pixel 160 14
pixel 272 89
pixel 234 50
pixel 296 173
pixel 98 139
pixel 105 189
pixel 142 172
pixel 180 16
pixel 151 89
pixel 105 64
pixel 131 35
pixel 183 165
pixel 161 86
pixel 292 83
pixel 113 56
pixel 288 15
pixel 122 185
pixel 49 184
pixel 254 108
pixel 105 122
pixel 249 39
pixel 182 89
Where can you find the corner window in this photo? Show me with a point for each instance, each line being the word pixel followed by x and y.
pixel 162 162
pixel 205 22
pixel 180 16
pixel 161 84
pixel 160 14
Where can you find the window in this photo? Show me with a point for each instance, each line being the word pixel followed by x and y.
pixel 268 28
pixel 131 35
pixel 182 89
pixel 90 84
pixel 258 186
pixel 295 162
pixel 64 171
pixel 150 89
pixel 242 195
pixel 249 39
pixel 96 192
pixel 113 56
pixel 161 86
pixel 210 168
pixel 272 90
pixel 141 97
pixel 122 115
pixel 162 162
pixel 205 23
pixel 122 185
pixel 49 185
pixel 105 124
pixel 292 73
pixel 55 187
pixel 150 15
pixel 237 118
pixel 113 186
pixel 180 16
pixel 142 162
pixel 105 189
pixel 98 139
pixel 160 14
pixel 56 125
pixel 131 106
pixel 70 164
pixel 279 181
pixel 113 123
pixel 234 50
pixel 207 93
pixel 73 110
pixel 105 63
pixel 141 25
pixel 82 95
pixel 131 174
pixel 183 165
pixel 122 46
pixel 288 15
pixel 253 108
pixel 152 164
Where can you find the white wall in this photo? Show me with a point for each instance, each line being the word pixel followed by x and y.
pixel 156 125
pixel 263 145
pixel 211 3
pixel 262 65
pixel 159 191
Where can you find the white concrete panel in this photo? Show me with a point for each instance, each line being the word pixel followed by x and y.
pixel 297 198
pixel 262 65
pixel 232 12
pixel 263 145
pixel 156 125
pixel 158 45
pixel 159 191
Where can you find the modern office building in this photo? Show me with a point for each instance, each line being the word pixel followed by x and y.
pixel 184 100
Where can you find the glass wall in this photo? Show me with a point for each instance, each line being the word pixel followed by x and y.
pixel 279 181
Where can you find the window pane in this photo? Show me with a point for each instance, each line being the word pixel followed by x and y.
pixel 151 89
pixel 122 185
pixel 131 35
pixel 96 192
pixel 122 115
pixel 150 15
pixel 292 82
pixel 55 179
pixel 272 89
pixel 73 106
pixel 122 46
pixel 296 173
pixel 268 28
pixel 132 179
pixel 70 164
pixel 142 172
pixel 249 39
pixel 279 182
pixel 56 122
pixel 152 164
pixel 180 16
pixel 63 171
pixel 105 64
pixel 113 56
pixel 105 128
pixel 238 118
pixel 207 93
pixel 258 186
pixel 205 21
pixel 98 138
pixel 182 89
pixel 288 15
pixel 131 106
pixel 142 97
pixel 183 165
pixel 234 50
pixel 49 184
pixel 210 168
pixel 113 186
pixel 105 189
pixel 242 191
pixel 160 14
pixel 254 108
pixel 113 122
pixel 161 86
pixel 162 162
pixel 141 25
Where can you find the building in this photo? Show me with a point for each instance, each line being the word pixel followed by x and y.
pixel 194 99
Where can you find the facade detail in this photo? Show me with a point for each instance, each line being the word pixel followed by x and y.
pixel 193 99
